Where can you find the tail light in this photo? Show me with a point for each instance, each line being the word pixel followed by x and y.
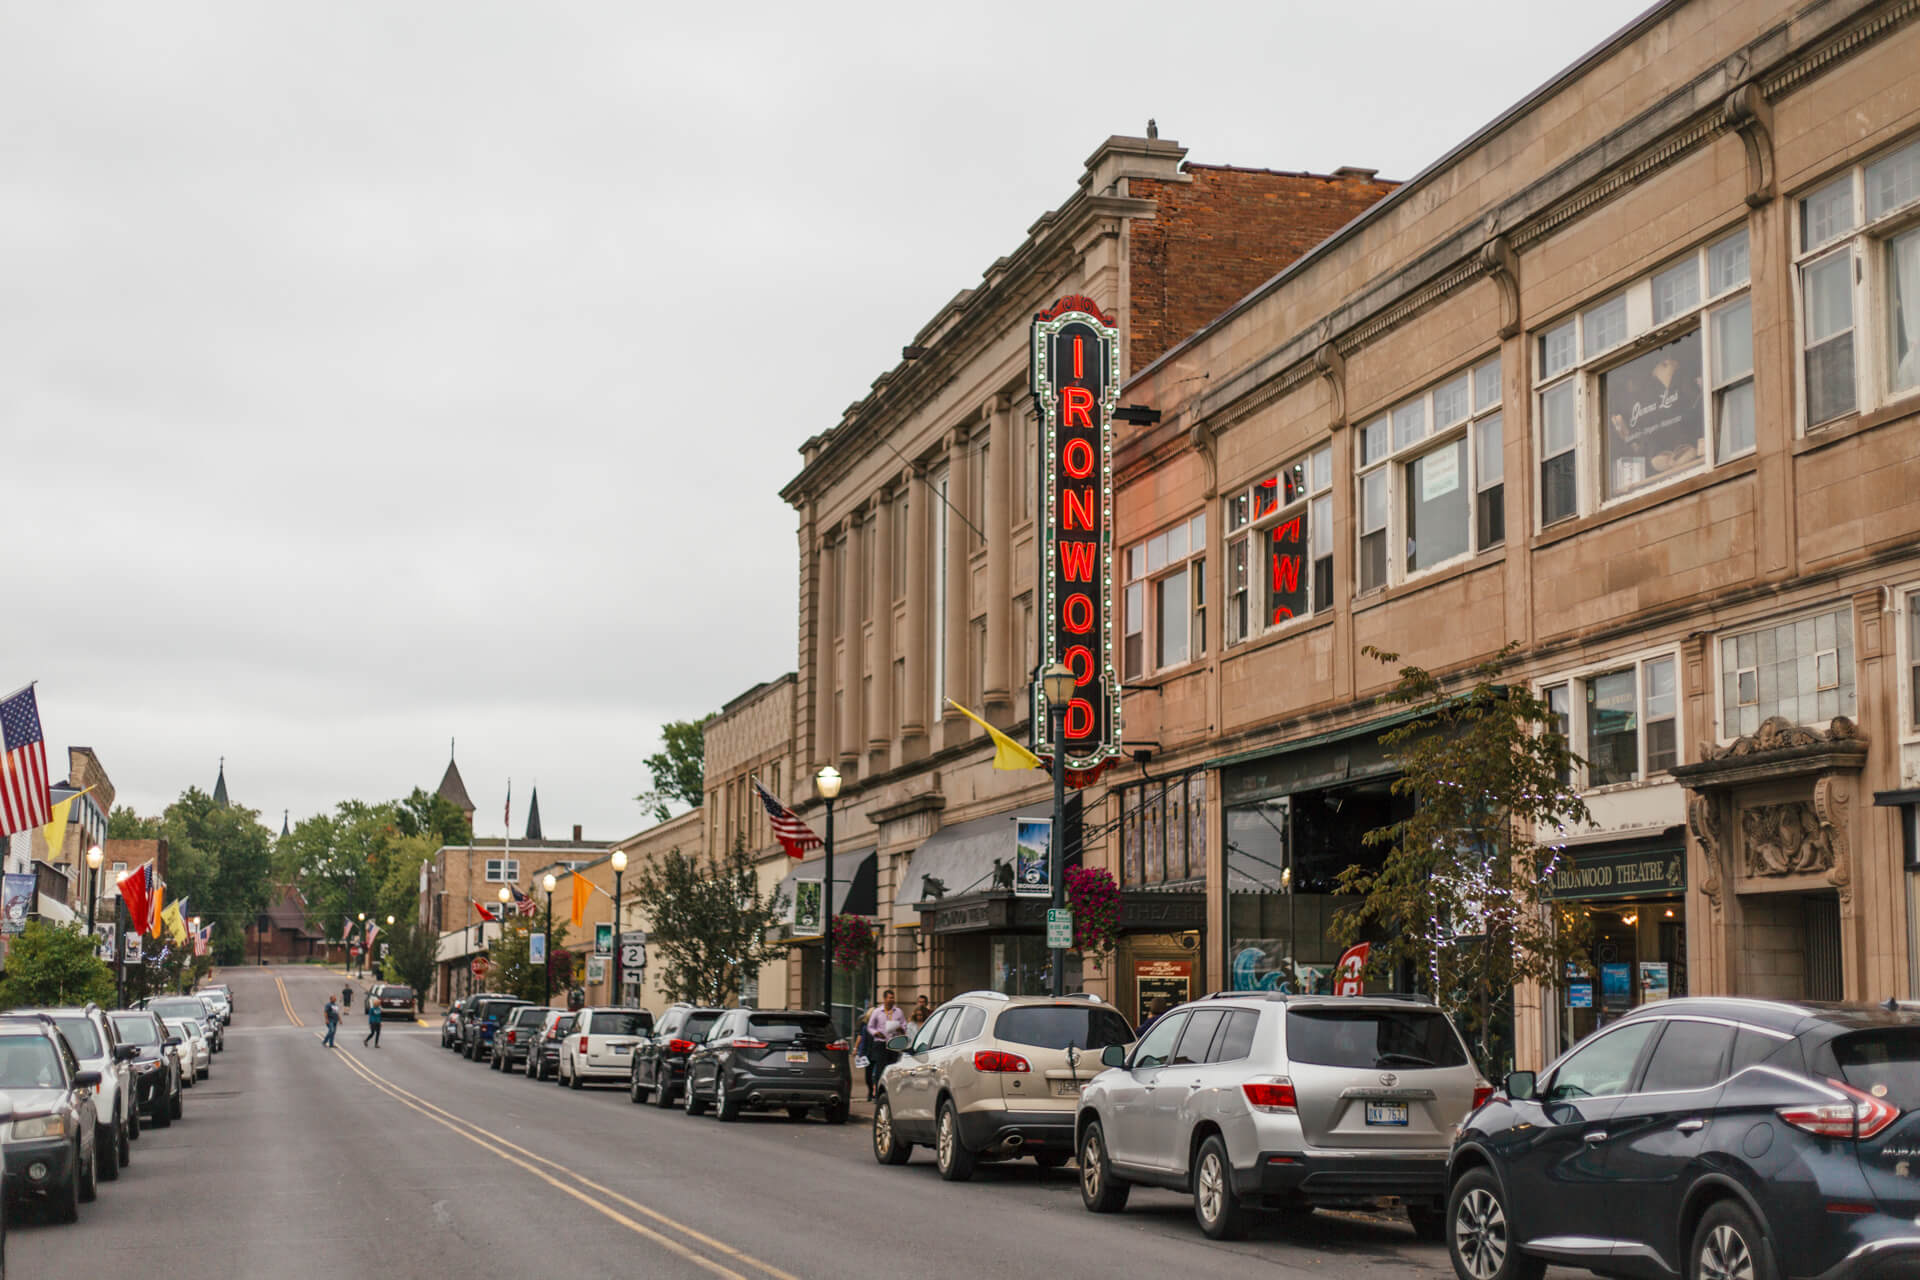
pixel 838 1046
pixel 1270 1095
pixel 1861 1116
pixel 743 1042
pixel 511 1035
pixel 583 1044
pixel 998 1060
pixel 677 1045
pixel 1481 1094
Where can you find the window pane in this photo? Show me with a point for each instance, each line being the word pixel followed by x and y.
pixel 1556 420
pixel 1732 342
pixel 1604 327
pixel 1556 350
pixel 1560 703
pixel 1287 580
pixel 1652 407
pixel 1661 702
pixel 1450 403
pixel 1237 509
pixel 1676 290
pixel 1266 497
pixel 1176 543
pixel 1488 457
pixel 1727 263
pixel 1903 311
pixel 1829 297
pixel 1134 645
pixel 1688 1057
pixel 1137 560
pixel 1156 553
pixel 1613 745
pixel 1197 532
pixel 1293 483
pixel 1322 470
pixel 1827 214
pixel 1558 491
pixel 1320 528
pixel 1373 502
pixel 1171 645
pixel 1437 508
pixel 1893 181
pixel 1373 560
pixel 1733 418
pixel 1830 380
pixel 1490 517
pixel 1373 442
pixel 1237 591
pixel 1409 423
pixel 1486 385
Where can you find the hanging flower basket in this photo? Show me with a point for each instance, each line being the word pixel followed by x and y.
pixel 854 941
pixel 1095 900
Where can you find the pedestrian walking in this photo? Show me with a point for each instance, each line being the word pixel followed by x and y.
pixel 885 1022
pixel 917 1018
pixel 373 1024
pixel 346 998
pixel 333 1022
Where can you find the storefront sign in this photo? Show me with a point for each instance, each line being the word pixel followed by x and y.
pixel 1032 847
pixel 1350 974
pixel 1075 377
pixel 1580 995
pixel 1159 985
pixel 1621 874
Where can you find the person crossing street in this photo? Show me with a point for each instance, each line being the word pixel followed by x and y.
pixel 373 1024
pixel 333 1022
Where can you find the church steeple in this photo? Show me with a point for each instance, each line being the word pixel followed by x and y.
pixel 533 815
pixel 452 789
pixel 284 830
pixel 220 786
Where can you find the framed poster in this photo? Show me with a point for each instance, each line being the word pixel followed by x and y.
pixel 1032 848
pixel 1616 985
pixel 105 937
pixel 15 900
pixel 1655 980
pixel 1159 985
pixel 1580 995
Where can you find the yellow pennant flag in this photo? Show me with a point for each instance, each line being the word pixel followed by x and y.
pixel 1007 754
pixel 176 925
pixel 581 891
pixel 55 832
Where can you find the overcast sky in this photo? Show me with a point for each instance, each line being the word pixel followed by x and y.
pixel 378 374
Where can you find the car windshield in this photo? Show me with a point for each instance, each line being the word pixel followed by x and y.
pixel 785 1028
pixel 81 1035
pixel 136 1030
pixel 620 1022
pixel 176 1007
pixel 1884 1063
pixel 1062 1026
pixel 29 1062
pixel 1372 1038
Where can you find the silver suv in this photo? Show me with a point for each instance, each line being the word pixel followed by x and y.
pixel 993 1077
pixel 93 1042
pixel 1286 1102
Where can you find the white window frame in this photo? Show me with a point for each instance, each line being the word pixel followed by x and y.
pixel 1148 577
pixel 1575 682
pixel 1864 244
pixel 1909 658
pixel 1249 516
pixel 498 871
pixel 1396 439
pixel 940 483
pixel 1594 354
pixel 1725 716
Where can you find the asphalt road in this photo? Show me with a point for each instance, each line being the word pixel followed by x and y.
pixel 294 1160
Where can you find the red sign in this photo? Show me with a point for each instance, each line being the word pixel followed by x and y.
pixel 1075 375
pixel 1350 975
pixel 478 967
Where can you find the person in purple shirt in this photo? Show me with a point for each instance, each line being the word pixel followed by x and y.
pixel 885 1022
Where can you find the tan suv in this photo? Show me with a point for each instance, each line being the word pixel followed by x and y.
pixel 993 1077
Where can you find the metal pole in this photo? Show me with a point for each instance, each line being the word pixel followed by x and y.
pixel 616 936
pixel 120 952
pixel 1056 861
pixel 826 918
pixel 546 970
pixel 93 898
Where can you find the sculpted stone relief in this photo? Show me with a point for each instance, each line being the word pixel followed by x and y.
pixel 1777 733
pixel 1785 840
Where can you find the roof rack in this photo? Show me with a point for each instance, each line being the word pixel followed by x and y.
pixel 983 994
pixel 1083 995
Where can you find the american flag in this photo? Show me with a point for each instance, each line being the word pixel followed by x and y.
pixel 25 801
pixel 523 902
pixel 795 836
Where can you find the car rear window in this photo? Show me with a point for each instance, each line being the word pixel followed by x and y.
pixel 782 1028
pixel 619 1024
pixel 1884 1063
pixel 1373 1038
pixel 81 1035
pixel 136 1030
pixel 396 993
pixel 180 1008
pixel 528 1015
pixel 498 1009
pixel 695 1027
pixel 1061 1026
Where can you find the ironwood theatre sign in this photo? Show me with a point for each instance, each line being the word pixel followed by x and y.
pixel 1076 381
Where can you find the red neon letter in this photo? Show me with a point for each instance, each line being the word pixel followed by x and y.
pixel 1076 612
pixel 1077 503
pixel 1079 718
pixel 1079 356
pixel 1076 402
pixel 1076 561
pixel 1076 459
pixel 1080 660
pixel 1286 572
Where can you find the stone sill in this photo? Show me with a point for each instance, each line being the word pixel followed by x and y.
pixel 1413 586
pixel 1856 424
pixel 1745 465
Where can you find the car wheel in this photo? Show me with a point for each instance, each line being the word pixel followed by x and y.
pixel 888 1147
pixel 574 1080
pixel 1215 1203
pixel 691 1104
pixel 1049 1160
pixel 64 1202
pixel 206 1073
pixel 725 1106
pixel 1101 1190
pixel 950 1154
pixel 178 1108
pixel 1729 1245
pixel 1480 1236
pixel 123 1144
pixel 107 1138
pixel 636 1092
pixel 1429 1223
pixel 90 1180
pixel 162 1114
pixel 799 1113
pixel 663 1095
pixel 835 1112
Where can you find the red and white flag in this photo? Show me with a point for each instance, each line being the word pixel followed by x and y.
pixel 795 836
pixel 137 887
pixel 25 799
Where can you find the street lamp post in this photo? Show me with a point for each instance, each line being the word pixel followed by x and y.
pixel 94 858
pixel 120 952
pixel 549 883
pixel 619 861
pixel 1056 682
pixel 360 965
pixel 828 782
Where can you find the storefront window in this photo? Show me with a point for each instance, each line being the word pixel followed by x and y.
pixel 1022 965
pixel 1633 897
pixel 1163 827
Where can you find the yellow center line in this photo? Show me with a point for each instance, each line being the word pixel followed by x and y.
pixel 491 1142
pixel 287 1003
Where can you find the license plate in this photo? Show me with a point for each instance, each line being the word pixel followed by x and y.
pixel 1387 1113
pixel 623 1048
pixel 797 1055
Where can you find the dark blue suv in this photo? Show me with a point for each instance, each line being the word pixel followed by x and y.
pixel 1712 1139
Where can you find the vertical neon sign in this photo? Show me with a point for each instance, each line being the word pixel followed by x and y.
pixel 1076 381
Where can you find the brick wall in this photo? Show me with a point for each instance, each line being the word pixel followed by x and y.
pixel 1216 238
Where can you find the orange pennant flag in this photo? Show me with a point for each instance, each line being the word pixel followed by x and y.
pixel 581 891
pixel 159 893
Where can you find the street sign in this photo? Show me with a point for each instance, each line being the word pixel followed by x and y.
pixel 479 967
pixel 536 948
pixel 596 968
pixel 633 956
pixel 1059 928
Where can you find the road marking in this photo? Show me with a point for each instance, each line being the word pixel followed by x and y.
pixel 287 1003
pixel 526 1160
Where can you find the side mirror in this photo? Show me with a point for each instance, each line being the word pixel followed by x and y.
pixel 126 1052
pixel 87 1080
pixel 172 1042
pixel 1519 1085
pixel 899 1044
pixel 1114 1055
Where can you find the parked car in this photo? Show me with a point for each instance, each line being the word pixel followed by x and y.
pixel 171 1008
pixel 993 1077
pixel 223 1002
pixel 91 1038
pixel 660 1060
pixel 156 1064
pixel 600 1045
pixel 1702 1137
pixel 757 1059
pixel 543 1060
pixel 1249 1100
pixel 214 1023
pixel 396 1000
pixel 478 1027
pixel 50 1144
pixel 193 1039
pixel 514 1039
pixel 223 992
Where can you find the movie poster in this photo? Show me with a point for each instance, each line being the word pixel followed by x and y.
pixel 1655 421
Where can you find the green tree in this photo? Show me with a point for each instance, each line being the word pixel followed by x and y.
pixel 221 857
pixel 709 921
pixel 679 770
pixel 510 970
pixel 51 964
pixel 124 824
pixel 430 814
pixel 1463 889
pixel 341 862
pixel 410 955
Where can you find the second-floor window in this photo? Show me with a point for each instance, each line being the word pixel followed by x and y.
pixel 1165 602
pixel 1648 385
pixel 1431 479
pixel 503 870
pixel 1280 547
pixel 1625 722
pixel 1801 669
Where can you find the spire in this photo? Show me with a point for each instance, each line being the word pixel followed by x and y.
pixel 452 789
pixel 220 786
pixel 284 830
pixel 533 815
